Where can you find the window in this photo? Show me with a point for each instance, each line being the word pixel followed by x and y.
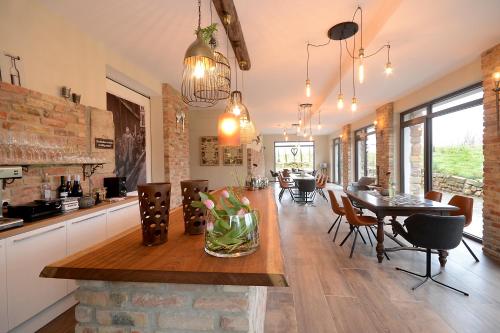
pixel 365 154
pixel 441 149
pixel 337 161
pixel 298 155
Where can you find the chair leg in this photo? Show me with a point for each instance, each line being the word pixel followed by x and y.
pixel 369 238
pixel 291 194
pixel 349 234
pixel 356 232
pixel 281 194
pixel 337 230
pixel 470 250
pixel 447 286
pixel 360 235
pixel 333 225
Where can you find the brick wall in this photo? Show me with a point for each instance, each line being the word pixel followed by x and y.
pixel 490 63
pixel 53 119
pixel 176 143
pixel 385 143
pixel 122 307
pixel 347 171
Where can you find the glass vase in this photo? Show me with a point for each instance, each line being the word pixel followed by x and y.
pixel 232 236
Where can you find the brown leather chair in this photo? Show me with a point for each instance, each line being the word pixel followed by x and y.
pixel 357 221
pixel 465 205
pixel 285 185
pixel 320 185
pixel 337 210
pixel 434 196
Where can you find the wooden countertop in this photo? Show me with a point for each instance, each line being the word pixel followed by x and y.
pixel 28 226
pixel 182 258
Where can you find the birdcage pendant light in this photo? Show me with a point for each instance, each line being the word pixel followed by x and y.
pixel 199 79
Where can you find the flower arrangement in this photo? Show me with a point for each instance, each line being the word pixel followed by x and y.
pixel 232 227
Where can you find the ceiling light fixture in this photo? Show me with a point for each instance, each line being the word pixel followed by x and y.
pixel 199 84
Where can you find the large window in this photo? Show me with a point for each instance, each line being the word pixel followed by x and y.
pixel 365 141
pixel 337 161
pixel 441 149
pixel 298 155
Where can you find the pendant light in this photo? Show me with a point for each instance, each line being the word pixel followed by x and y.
pixel 199 84
pixel 228 129
pixel 388 65
pixel 222 68
pixel 354 101
pixel 247 128
pixel 340 97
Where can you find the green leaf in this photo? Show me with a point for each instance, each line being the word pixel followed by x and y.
pixel 197 204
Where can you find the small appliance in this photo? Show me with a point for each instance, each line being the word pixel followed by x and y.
pixel 8 173
pixel 35 210
pixel 115 187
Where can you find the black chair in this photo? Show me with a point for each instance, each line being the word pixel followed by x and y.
pixel 274 174
pixel 306 190
pixel 431 232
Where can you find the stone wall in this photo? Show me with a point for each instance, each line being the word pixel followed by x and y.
pixel 122 307
pixel 176 143
pixel 490 63
pixel 347 171
pixel 53 119
pixel 385 143
pixel 457 185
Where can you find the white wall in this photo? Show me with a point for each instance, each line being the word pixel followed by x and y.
pixel 203 122
pixel 321 150
pixel 54 53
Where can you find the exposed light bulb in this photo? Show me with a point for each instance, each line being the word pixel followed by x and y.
pixel 310 138
pixel 305 134
pixel 308 88
pixel 229 126
pixel 199 69
pixel 496 76
pixel 236 110
pixel 375 123
pixel 354 104
pixel 340 102
pixel 361 68
pixel 319 126
pixel 388 68
pixel 286 138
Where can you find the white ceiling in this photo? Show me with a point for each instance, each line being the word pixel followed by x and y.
pixel 429 39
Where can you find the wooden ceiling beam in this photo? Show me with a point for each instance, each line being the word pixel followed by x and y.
pixel 227 13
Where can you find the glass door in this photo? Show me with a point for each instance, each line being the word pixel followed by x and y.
pixel 337 161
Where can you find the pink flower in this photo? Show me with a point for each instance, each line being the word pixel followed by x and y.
pixel 245 201
pixel 225 194
pixel 241 212
pixel 209 204
pixel 210 226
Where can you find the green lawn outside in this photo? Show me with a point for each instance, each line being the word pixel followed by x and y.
pixel 463 161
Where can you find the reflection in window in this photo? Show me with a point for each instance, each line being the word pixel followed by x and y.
pixel 294 154
pixel 366 152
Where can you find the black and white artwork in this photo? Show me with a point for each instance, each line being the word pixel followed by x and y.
pixel 130 140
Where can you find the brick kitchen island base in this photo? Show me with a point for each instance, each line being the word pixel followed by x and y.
pixel 130 307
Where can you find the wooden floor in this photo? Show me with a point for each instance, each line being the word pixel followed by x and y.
pixel 331 293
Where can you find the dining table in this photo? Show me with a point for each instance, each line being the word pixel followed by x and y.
pixel 401 204
pixel 299 180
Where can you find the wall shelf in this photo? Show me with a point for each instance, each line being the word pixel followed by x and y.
pixel 88 169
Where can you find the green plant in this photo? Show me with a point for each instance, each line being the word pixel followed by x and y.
pixel 207 33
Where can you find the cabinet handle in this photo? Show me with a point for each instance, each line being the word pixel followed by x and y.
pixel 120 208
pixel 42 233
pixel 84 220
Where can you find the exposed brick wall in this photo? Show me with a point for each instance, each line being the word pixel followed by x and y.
pixel 490 63
pixel 347 170
pixel 385 143
pixel 53 119
pixel 176 143
pixel 122 307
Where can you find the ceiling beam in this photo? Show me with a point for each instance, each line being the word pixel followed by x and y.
pixel 227 14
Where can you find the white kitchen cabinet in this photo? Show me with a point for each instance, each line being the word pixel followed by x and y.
pixel 3 289
pixel 122 217
pixel 83 232
pixel 27 254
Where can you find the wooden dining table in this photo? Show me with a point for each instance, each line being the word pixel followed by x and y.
pixel 401 204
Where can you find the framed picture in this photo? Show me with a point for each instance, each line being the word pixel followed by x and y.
pixel 209 151
pixel 232 155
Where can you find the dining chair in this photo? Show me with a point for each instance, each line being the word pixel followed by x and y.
pixel 434 196
pixel 339 211
pixel 306 189
pixel 285 185
pixel 273 174
pixel 357 221
pixel 432 232
pixel 465 207
pixel 320 185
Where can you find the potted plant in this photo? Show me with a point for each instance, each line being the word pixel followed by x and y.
pixel 232 228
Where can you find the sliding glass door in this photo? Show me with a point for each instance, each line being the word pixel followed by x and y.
pixel 441 149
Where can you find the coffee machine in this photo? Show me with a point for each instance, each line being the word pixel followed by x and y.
pixel 9 174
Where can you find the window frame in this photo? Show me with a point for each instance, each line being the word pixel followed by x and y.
pixel 337 160
pixel 356 155
pixel 290 145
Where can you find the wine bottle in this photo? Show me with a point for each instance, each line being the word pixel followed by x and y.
pixel 76 191
pixel 46 192
pixel 61 190
pixel 68 185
